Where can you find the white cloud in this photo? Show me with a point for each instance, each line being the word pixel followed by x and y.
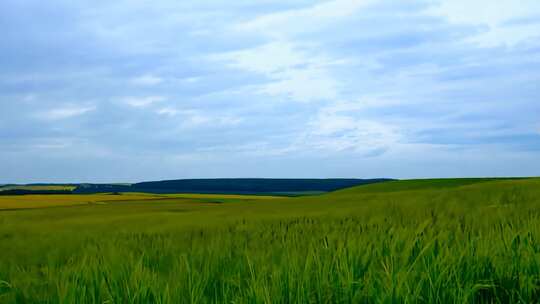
pixel 340 128
pixel 330 132
pixel 494 15
pixel 51 146
pixel 293 71
pixel 488 12
pixel 227 120
pixel 147 80
pixel 365 102
pixel 266 59
pixel 303 85
pixel 168 111
pixel 191 79
pixel 53 143
pixel 28 98
pixel 305 19
pixel 193 118
pixel 254 148
pixel 65 112
pixel 141 102
pixel 263 148
pixel 296 69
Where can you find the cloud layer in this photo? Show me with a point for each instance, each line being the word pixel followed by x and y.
pixel 137 90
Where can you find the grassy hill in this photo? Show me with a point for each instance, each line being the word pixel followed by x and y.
pixel 451 240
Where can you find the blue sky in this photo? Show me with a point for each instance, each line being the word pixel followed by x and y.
pixel 114 91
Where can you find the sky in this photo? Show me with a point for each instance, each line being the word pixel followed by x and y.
pixel 133 90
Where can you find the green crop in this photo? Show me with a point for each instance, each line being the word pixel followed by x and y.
pixel 421 241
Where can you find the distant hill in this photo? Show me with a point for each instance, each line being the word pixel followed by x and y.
pixel 425 184
pixel 232 186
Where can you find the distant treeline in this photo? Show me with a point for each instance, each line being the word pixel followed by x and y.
pixel 230 185
pixel 220 185
pixel 25 192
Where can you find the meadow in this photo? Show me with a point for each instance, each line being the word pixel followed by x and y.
pixel 415 241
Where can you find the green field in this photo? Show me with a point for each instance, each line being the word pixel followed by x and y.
pixel 421 241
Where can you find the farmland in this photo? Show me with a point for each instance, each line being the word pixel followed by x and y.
pixel 455 240
pixel 45 201
pixel 36 187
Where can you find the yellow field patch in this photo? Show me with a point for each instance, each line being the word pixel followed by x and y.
pixel 43 201
pixel 57 200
